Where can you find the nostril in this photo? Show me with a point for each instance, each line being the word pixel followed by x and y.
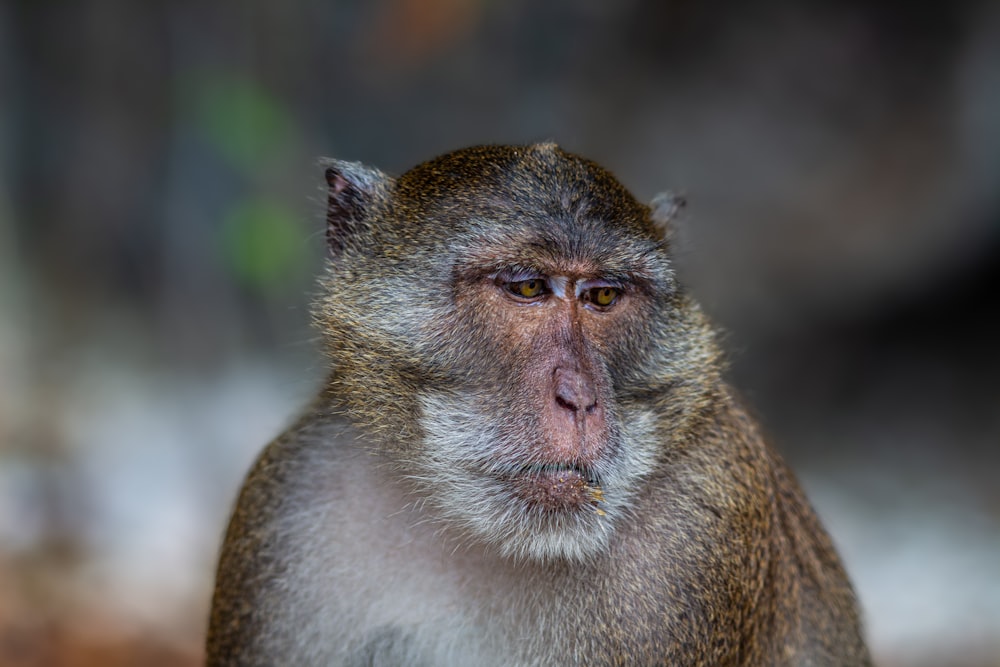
pixel 564 403
pixel 574 391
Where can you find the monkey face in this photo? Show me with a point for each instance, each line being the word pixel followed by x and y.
pixel 522 312
pixel 543 457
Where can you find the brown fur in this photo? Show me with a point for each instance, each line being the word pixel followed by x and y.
pixel 362 537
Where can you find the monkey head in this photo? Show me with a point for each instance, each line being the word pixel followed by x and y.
pixel 506 324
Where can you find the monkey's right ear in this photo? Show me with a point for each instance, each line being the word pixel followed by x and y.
pixel 664 210
pixel 353 189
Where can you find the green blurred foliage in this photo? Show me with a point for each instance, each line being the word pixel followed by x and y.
pixel 245 123
pixel 262 243
pixel 256 135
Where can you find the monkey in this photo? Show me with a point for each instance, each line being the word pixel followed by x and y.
pixel 525 451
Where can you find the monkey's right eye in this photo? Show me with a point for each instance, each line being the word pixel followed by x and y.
pixel 527 289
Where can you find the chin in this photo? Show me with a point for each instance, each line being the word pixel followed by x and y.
pixel 547 537
pixel 495 513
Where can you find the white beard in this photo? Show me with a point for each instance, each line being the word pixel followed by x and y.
pixel 459 461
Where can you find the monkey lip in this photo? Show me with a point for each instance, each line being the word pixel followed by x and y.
pixel 558 469
pixel 555 487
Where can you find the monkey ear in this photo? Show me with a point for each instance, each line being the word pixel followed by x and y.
pixel 664 209
pixel 353 189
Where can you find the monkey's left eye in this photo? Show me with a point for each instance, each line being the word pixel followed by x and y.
pixel 527 289
pixel 603 296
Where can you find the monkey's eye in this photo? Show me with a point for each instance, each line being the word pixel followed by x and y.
pixel 527 289
pixel 602 296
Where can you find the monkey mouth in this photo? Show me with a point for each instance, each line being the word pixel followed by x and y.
pixel 556 487
pixel 543 469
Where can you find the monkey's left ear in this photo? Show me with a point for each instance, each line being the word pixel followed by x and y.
pixel 353 189
pixel 664 209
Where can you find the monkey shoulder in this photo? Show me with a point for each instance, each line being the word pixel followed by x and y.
pixel 282 552
pixel 325 562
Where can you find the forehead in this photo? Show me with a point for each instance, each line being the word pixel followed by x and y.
pixel 535 202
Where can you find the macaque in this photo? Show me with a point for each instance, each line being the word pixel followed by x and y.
pixel 524 453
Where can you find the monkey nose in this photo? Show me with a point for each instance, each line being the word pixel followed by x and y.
pixel 574 391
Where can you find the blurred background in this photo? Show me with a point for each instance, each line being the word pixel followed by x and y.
pixel 161 222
